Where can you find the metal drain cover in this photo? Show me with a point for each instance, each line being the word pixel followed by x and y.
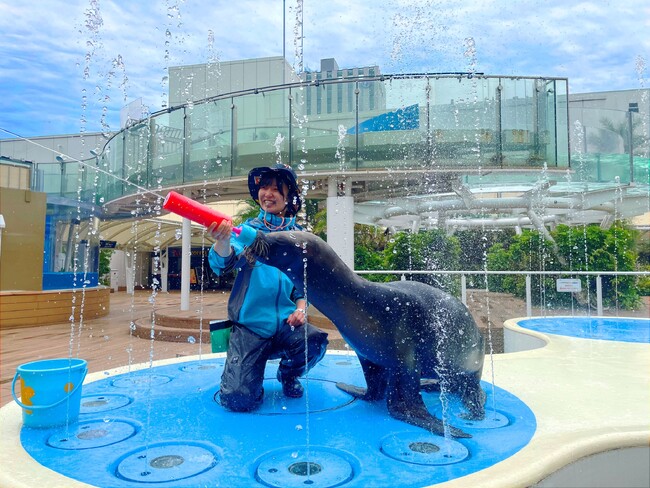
pixel 91 434
pixel 426 449
pixel 316 468
pixel 103 403
pixel 165 463
pixel 492 420
pixel 136 381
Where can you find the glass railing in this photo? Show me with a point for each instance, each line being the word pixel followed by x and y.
pixel 405 122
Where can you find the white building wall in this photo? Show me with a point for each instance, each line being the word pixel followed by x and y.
pixel 75 146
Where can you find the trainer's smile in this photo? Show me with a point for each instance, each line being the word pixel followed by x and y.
pixel 271 200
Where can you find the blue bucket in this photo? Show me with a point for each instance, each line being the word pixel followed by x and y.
pixel 50 391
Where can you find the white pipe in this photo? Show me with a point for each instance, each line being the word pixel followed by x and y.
pixel 529 300
pixel 463 289
pixel 599 295
pixel 186 254
pixel 164 270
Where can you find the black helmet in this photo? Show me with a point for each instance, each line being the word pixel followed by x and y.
pixel 286 174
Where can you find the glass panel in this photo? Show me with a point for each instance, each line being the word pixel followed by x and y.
pixel 209 141
pixel 112 163
pixel 518 122
pixel 167 150
pixel 136 149
pixel 322 141
pixel 50 178
pixel 392 123
pixel 561 123
pixel 262 135
pixel 600 139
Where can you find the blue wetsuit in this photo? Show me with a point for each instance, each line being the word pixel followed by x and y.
pixel 261 300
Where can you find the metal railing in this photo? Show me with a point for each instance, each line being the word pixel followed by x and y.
pixel 528 274
pixel 459 120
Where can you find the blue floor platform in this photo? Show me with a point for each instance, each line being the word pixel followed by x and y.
pixel 163 426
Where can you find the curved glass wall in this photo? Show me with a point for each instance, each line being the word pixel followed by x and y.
pixel 406 122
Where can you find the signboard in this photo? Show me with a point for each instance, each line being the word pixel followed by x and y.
pixel 107 244
pixel 568 284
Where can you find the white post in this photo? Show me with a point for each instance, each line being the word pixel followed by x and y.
pixel 599 295
pixel 164 270
pixel 129 274
pixel 529 299
pixel 463 289
pixel 114 279
pixel 340 219
pixel 186 250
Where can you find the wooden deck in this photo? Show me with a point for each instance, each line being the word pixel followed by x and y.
pixel 105 342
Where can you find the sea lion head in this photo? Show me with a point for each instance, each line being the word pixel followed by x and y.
pixel 286 250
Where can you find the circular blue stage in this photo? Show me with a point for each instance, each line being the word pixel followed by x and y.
pixel 164 426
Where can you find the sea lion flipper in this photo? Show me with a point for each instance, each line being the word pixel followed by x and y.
pixel 405 403
pixel 420 417
pixel 376 378
pixel 355 391
pixel 428 422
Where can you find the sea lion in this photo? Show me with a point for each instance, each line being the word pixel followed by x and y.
pixel 403 332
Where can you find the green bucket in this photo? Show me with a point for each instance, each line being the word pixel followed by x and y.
pixel 50 391
pixel 220 334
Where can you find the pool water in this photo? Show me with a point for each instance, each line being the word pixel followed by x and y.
pixel 598 328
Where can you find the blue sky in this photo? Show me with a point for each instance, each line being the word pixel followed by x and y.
pixel 69 66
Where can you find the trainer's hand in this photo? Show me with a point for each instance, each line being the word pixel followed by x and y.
pixel 221 235
pixel 297 318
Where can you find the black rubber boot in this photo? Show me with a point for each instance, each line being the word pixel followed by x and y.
pixel 291 387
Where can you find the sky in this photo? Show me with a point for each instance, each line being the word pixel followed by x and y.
pixel 70 66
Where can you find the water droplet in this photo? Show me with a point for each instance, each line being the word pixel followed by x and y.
pixel 294 454
pixel 191 340
pixel 387 309
pixel 298 427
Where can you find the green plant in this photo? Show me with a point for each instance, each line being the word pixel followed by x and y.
pixel 105 266
pixel 643 283
pixel 428 250
pixel 587 248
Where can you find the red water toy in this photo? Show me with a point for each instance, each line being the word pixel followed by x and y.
pixel 195 211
